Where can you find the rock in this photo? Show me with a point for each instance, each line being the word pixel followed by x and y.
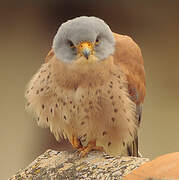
pixel 66 165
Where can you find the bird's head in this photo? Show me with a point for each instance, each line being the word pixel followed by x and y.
pixel 83 40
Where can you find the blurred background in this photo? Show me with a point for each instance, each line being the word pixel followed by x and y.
pixel 27 29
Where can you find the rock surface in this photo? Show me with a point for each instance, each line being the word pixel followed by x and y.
pixel 62 165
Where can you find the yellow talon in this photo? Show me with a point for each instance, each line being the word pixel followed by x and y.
pixel 76 142
pixel 91 146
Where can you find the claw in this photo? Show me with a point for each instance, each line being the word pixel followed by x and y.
pixel 76 142
pixel 91 146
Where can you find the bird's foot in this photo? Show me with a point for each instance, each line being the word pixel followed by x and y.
pixel 76 142
pixel 91 146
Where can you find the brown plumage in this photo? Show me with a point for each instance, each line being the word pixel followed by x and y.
pixel 89 101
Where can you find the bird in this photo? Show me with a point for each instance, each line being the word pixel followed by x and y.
pixel 90 88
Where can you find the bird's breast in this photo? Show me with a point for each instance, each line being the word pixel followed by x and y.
pixel 90 110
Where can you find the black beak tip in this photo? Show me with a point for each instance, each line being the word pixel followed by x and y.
pixel 86 54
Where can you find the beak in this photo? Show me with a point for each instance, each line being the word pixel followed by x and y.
pixel 85 49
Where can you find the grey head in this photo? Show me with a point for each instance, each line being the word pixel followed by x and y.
pixel 80 29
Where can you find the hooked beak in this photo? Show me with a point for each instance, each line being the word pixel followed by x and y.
pixel 85 49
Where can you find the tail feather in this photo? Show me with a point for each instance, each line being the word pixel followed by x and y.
pixel 132 148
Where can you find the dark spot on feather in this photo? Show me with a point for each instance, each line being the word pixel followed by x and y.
pixel 120 87
pixel 32 87
pixel 56 105
pixel 73 106
pixel 43 106
pixel 90 102
pixel 51 110
pixel 47 119
pixel 119 76
pixel 104 133
pixel 108 92
pixel 48 87
pixel 111 97
pixel 64 103
pixel 128 119
pixel 38 119
pixel 65 117
pixel 28 103
pixel 27 92
pixel 82 123
pixel 115 110
pixel 124 110
pixel 75 87
pixel 48 77
pixel 113 119
pixel 123 143
pixel 119 97
pixel 111 82
pixel 37 92
pixel 39 76
pixel 41 89
pixel 109 143
pixel 110 86
pixel 70 102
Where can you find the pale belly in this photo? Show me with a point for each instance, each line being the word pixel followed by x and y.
pixel 103 114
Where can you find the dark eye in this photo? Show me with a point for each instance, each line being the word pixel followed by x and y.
pixel 97 41
pixel 71 44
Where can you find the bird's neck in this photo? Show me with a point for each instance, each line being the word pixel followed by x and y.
pixel 93 74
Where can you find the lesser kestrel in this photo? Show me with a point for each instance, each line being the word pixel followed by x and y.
pixel 91 88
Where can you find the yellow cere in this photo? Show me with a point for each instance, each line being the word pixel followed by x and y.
pixel 85 45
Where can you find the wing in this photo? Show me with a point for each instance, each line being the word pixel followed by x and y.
pixel 49 56
pixel 42 100
pixel 128 56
